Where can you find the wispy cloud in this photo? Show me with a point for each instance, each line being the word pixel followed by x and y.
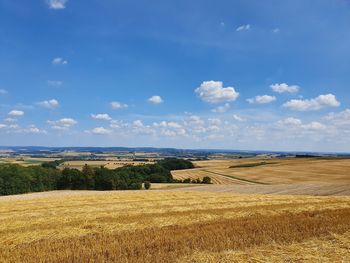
pixel 57 4
pixel 62 124
pixel 264 99
pixel 221 109
pixel 284 87
pixel 116 105
pixel 49 104
pixel 3 92
pixel 100 131
pixel 243 28
pixel 59 61
pixel 55 83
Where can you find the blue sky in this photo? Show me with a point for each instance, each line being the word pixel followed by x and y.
pixel 258 75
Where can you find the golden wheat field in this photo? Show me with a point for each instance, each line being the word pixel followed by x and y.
pixel 271 171
pixel 168 226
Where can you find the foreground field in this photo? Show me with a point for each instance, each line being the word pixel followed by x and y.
pixel 167 226
pixel 254 171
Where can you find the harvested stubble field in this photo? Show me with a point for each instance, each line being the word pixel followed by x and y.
pixel 254 171
pixel 167 226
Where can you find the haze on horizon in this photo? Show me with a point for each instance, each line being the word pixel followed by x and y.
pixel 244 74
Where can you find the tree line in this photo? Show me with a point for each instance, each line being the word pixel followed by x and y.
pixel 16 179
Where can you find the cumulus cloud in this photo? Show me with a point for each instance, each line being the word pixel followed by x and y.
pixel 299 126
pixel 221 109
pixel 284 87
pixel 3 92
pixel 49 104
pixel 243 27
pixel 59 61
pixel 101 116
pixel 62 124
pixel 315 125
pixel 55 83
pixel 57 4
pixel 100 131
pixel 339 119
pixel 16 113
pixel 318 103
pixel 155 99
pixel 264 99
pixel 215 92
pixel 291 121
pixel 34 130
pixel 116 105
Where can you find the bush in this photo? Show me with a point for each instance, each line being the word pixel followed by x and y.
pixel 176 164
pixel 206 180
pixel 147 185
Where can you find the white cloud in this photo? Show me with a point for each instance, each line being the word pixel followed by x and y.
pixel 318 103
pixel 118 105
pixel 16 113
pixel 10 120
pixel 62 124
pixel 2 126
pixel 261 99
pixel 155 99
pixel 340 118
pixel 284 87
pixel 243 27
pixel 195 120
pixel 221 109
pixel 33 129
pixel 101 116
pixel 215 121
pixel 49 104
pixel 316 126
pixel 55 83
pixel 298 125
pixel 215 92
pixel 291 121
pixel 57 4
pixel 100 131
pixel 3 92
pixel 59 61
pixel 237 118
pixel 276 30
pixel 138 124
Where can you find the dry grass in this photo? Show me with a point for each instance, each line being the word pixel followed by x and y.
pixel 275 171
pixel 165 226
pixel 332 248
